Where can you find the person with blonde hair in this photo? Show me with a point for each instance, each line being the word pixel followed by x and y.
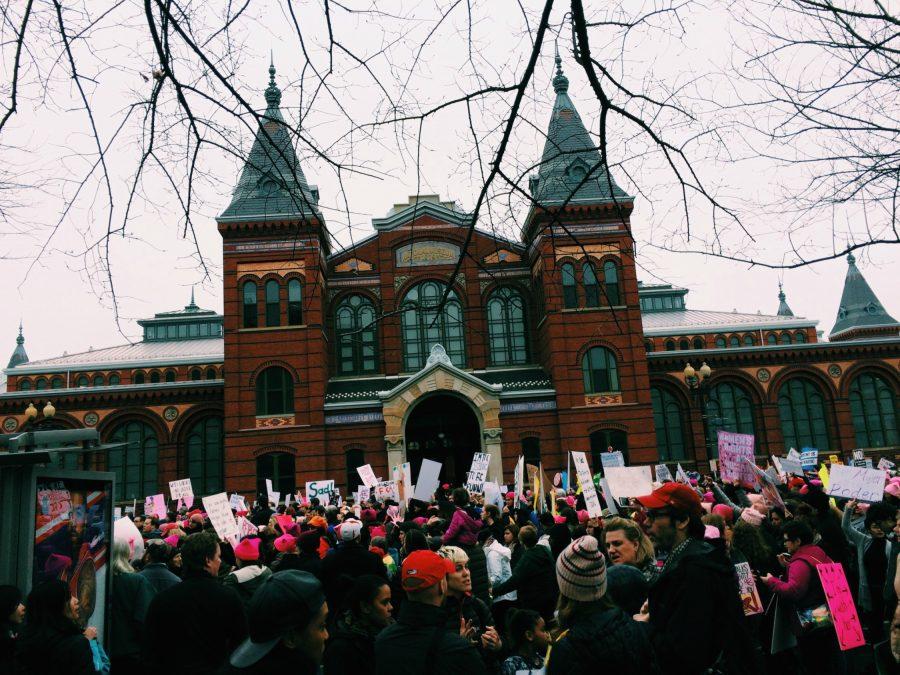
pixel 131 596
pixel 627 544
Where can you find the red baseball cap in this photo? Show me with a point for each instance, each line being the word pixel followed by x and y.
pixel 675 495
pixel 422 569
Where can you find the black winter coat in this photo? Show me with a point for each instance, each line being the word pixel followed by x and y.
pixel 351 648
pixel 131 597
pixel 209 618
pixel 606 637
pixel 481 582
pixel 61 650
pixel 472 609
pixel 159 576
pixel 342 566
pixel 696 617
pixel 419 644
pixel 534 578
pixel 280 660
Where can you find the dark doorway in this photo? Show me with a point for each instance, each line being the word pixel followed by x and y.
pixel 603 440
pixel 444 429
pixel 279 467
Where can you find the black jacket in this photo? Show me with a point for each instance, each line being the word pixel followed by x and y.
pixel 534 578
pixel 305 562
pixel 131 597
pixel 419 644
pixel 351 648
pixel 209 618
pixel 245 580
pixel 608 637
pixel 159 576
pixel 481 582
pixel 280 660
pixel 696 617
pixel 342 566
pixel 472 609
pixel 61 650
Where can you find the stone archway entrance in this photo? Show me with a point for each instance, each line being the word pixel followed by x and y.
pixel 443 428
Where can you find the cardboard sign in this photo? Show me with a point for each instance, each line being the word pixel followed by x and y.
pixel 840 602
pixel 321 489
pixel 236 502
pixel 607 496
pixel 246 528
pixel 608 459
pixel 274 498
pixel 852 482
pixel 402 473
pixel 681 476
pixel 663 473
pixel 478 473
pixel 733 450
pixel 363 494
pixel 767 487
pixel 794 455
pixel 583 473
pixel 218 509
pixel 809 459
pixel 747 588
pixel 428 481
pixel 519 478
pixel 387 489
pixel 885 464
pixel 629 481
pixel 366 475
pixel 181 489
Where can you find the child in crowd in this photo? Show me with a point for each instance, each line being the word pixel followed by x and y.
pixel 529 639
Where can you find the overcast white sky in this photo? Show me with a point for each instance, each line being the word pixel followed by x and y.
pixel 66 307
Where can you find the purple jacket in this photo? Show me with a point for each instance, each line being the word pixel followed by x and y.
pixel 463 530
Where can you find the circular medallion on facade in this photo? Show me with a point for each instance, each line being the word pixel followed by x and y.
pixel 91 419
pixel 763 375
pixel 834 370
pixel 10 424
pixel 170 413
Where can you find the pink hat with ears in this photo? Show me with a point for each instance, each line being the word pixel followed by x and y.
pixel 570 500
pixel 711 532
pixel 752 516
pixel 892 489
pixel 377 531
pixel 726 512
pixel 172 540
pixel 708 497
pixel 583 516
pixel 559 520
pixel 284 543
pixel 247 550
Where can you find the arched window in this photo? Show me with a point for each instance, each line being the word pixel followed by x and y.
pixel 873 406
pixel 196 374
pixel 699 343
pixel 771 339
pixel 648 345
pixel 295 302
pixel 570 292
pixel 83 381
pixel 98 380
pixel 273 303
pixel 507 335
pixel 749 340
pixel 531 451
pixel 40 383
pixel 720 342
pixel 683 343
pixel 139 378
pixel 210 373
pixel 114 380
pixel 249 304
pixel 354 458
pixel 611 280
pixel 800 337
pixel 591 287
pixel 734 341
pixel 25 385
pixel 668 418
pixel 670 345
pixel 277 467
pixel 786 338
pixel 56 383
pixel 170 376
pixel 604 439
pixel 356 336
pixel 423 326
pixel 801 407
pixel 135 465
pixel 730 408
pixel 274 392
pixel 204 454
pixel 154 377
pixel 598 366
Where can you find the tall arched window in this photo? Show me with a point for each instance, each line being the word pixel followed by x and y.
pixel 355 336
pixel 277 467
pixel 873 406
pixel 786 338
pixel 295 302
pixel 204 455
pixel 273 303
pixel 154 377
pixel 598 366
pixel 274 392
pixel 570 291
pixel 611 281
pixel 196 374
pixel 423 326
pixel 648 345
pixel 771 339
pixel 699 343
pixel 668 418
pixel 801 407
pixel 591 287
pixel 170 376
pixel 354 458
pixel 604 439
pixel 800 337
pixel 506 328
pixel 82 381
pixel 98 380
pixel 249 304
pixel 210 373
pixel 135 464
pixel 720 342
pixel 730 409
pixel 114 380
pixel 56 383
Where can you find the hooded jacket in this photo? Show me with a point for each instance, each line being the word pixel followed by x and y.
pixel 499 567
pixel 246 580
pixel 463 530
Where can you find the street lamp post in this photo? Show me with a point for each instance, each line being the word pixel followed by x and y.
pixel 698 383
pixel 31 414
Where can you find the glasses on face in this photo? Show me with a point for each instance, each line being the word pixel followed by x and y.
pixel 653 514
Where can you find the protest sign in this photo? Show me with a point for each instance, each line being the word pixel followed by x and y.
pixel 236 502
pixel 157 506
pixel 583 472
pixel 321 489
pixel 367 475
pixel 246 528
pixel 271 495
pixel 117 512
pixel 885 464
pixel 663 473
pixel 840 602
pixel 608 459
pixel 859 454
pixel 747 587
pixel 793 454
pixel 402 473
pixel 427 482
pixel 274 498
pixel 492 494
pixel 363 493
pixel 733 450
pixel 519 478
pixel 791 466
pixel 182 489
pixel 767 486
pixel 629 481
pixel 809 459
pixel 852 482
pixel 681 476
pixel 385 490
pixel 219 512
pixel 607 496
pixel 478 473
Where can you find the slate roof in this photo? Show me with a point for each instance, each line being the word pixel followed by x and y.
pixel 783 309
pixel 702 321
pixel 859 306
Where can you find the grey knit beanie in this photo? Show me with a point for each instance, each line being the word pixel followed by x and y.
pixel 581 570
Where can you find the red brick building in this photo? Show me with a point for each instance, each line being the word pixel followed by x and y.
pixel 394 349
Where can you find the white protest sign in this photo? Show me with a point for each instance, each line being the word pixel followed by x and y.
pixel 428 480
pixel 320 489
pixel 859 454
pixel 607 496
pixel 363 494
pixel 366 475
pixel 853 482
pixel 246 528
pixel 663 473
pixel 492 494
pixel 885 464
pixel 809 458
pixel 478 473
pixel 583 472
pixel 157 505
pixel 519 478
pixel 236 502
pixel 402 473
pixel 181 488
pixel 747 588
pixel 793 454
pixel 681 476
pixel 629 481
pixel 218 509
pixel 608 459
pixel 385 490
pixel 791 466
pixel 117 512
pixel 274 498
pixel 271 495
pixel 735 450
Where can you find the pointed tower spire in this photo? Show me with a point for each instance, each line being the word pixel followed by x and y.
pixel 860 313
pixel 783 309
pixel 192 307
pixel 19 356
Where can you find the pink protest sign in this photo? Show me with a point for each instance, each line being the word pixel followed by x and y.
pixel 734 449
pixel 840 603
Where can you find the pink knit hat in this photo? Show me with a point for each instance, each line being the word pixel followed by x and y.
pixel 711 532
pixel 726 512
pixel 583 516
pixel 570 500
pixel 559 520
pixel 892 489
pixel 172 540
pixel 752 516
pixel 247 550
pixel 284 543
pixel 708 497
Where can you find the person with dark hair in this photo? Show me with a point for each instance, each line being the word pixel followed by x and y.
pixel 511 541
pixel 533 577
pixel 528 639
pixel 178 610
pixel 627 587
pixel 367 611
pixel 694 600
pixel 465 524
pixel 157 555
pixel 52 641
pixel 12 615
pixel 818 645
pixel 348 561
pixel 288 627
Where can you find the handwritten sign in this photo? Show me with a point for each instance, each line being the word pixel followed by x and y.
pixel 608 459
pixel 492 494
pixel 363 494
pixel 387 489
pixel 629 481
pixel 157 505
pixel 181 488
pixel 809 459
pixel 733 450
pixel 853 482
pixel 767 486
pixel 478 473
pixel 662 473
pixel 271 495
pixel 320 489
pixel 246 528
pixel 681 476
pixel 583 472
pixel 218 509
pixel 793 454
pixel 840 602
pixel 236 502
pixel 885 464
pixel 427 482
pixel 607 496
pixel 367 475
pixel 747 588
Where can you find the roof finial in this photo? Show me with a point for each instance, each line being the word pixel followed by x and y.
pixel 193 306
pixel 780 292
pixel 273 93
pixel 560 81
pixel 851 259
pixel 20 340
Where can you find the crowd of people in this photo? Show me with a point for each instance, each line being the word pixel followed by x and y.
pixel 458 586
